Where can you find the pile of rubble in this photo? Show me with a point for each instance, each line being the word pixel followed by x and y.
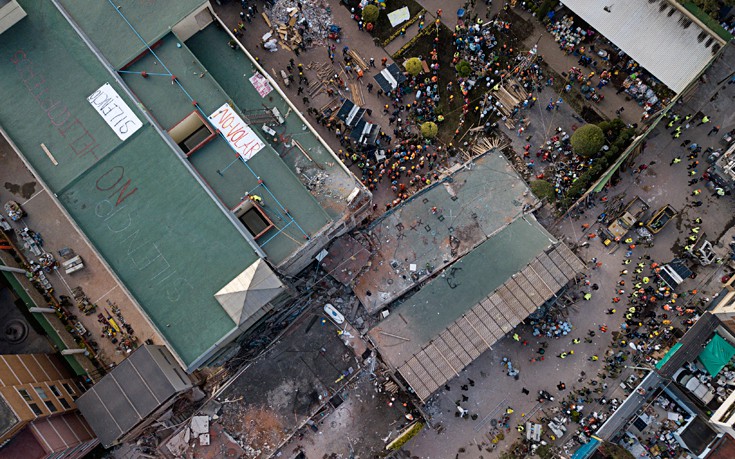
pixel 300 23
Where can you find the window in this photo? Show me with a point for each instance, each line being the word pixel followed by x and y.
pixel 51 407
pixel 64 403
pixel 191 133
pixel 35 409
pixel 68 388
pixel 55 390
pixel 41 393
pixel 26 396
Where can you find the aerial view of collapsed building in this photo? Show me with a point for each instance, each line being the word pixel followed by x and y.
pixel 200 192
pixel 498 265
pixel 139 128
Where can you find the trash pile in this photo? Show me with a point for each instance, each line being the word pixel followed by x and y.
pixel 301 24
pixel 512 372
pixel 566 34
pixel 551 328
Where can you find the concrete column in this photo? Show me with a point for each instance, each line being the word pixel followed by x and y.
pixel 73 351
pixel 13 270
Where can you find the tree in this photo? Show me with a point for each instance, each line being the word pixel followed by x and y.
pixel 612 451
pixel 587 140
pixel 545 452
pixel 413 66
pixel 370 13
pixel 429 129
pixel 463 68
pixel 543 189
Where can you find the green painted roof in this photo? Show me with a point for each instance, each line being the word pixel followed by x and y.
pixel 169 104
pixel 114 38
pixel 708 20
pixel 232 69
pixel 148 216
pixel 461 286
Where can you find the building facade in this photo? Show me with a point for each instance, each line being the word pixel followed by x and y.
pixel 38 407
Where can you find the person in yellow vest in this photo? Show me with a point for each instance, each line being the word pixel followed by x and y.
pixel 256 199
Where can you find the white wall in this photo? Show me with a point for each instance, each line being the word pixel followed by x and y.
pixel 10 14
pixel 193 23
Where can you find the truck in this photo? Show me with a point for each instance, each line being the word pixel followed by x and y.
pixel 661 218
pixel 620 226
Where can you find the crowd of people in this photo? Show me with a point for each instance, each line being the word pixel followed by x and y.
pixel 595 55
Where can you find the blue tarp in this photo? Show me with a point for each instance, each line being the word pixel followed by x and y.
pixel 586 450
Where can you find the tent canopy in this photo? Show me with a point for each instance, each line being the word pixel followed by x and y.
pixel 716 355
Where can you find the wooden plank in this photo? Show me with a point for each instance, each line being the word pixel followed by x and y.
pixel 267 20
pixel 358 59
pixel 356 93
pixel 425 66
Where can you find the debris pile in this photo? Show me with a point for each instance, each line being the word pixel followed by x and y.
pixel 303 27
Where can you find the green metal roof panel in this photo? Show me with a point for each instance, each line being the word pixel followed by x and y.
pixel 116 40
pixel 667 356
pixel 166 240
pixel 216 162
pixel 232 69
pixel 46 69
pixel 143 210
pixel 466 282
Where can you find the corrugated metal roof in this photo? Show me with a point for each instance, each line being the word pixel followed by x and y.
pixel 691 344
pixel 131 392
pixel 460 343
pixel 659 35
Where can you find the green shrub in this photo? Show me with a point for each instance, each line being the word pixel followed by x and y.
pixel 429 129
pixel 413 66
pixel 463 68
pixel 543 189
pixel 587 140
pixel 370 13
pixel 405 436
